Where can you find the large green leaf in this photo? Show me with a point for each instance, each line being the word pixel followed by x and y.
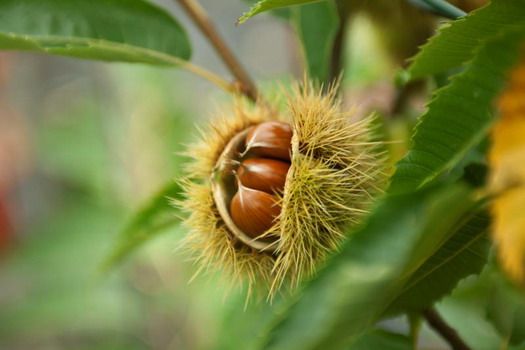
pixel 109 30
pixel 152 219
pixel 459 115
pixel 357 285
pixel 456 43
pixel 267 5
pixel 464 254
pixel 316 26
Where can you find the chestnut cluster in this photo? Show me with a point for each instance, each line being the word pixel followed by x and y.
pixel 261 176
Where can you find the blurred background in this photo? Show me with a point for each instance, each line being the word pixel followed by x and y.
pixel 84 144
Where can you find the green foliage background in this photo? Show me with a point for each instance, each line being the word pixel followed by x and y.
pixel 425 243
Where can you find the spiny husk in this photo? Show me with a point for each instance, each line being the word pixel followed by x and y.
pixel 208 240
pixel 336 169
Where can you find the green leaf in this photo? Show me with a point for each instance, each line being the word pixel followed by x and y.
pixel 108 30
pixel 459 115
pixel 152 219
pixel 316 26
pixel 506 309
pixel 267 5
pixel 456 43
pixel 379 339
pixel 464 254
pixel 358 284
pixel 466 309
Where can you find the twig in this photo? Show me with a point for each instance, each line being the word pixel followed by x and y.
pixel 448 333
pixel 202 20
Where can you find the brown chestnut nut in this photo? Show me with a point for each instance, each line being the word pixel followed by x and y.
pixel 270 139
pixel 253 211
pixel 263 174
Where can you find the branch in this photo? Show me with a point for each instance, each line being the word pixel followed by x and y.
pixel 447 333
pixel 208 29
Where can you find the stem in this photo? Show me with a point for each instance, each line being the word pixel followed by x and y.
pixel 208 75
pixel 403 95
pixel 448 333
pixel 440 7
pixel 208 29
pixel 336 59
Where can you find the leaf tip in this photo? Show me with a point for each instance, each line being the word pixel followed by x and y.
pixel 402 77
pixel 254 10
pixel 243 18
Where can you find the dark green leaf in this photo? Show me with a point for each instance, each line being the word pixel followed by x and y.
pixel 464 254
pixel 357 285
pixel 459 115
pixel 267 5
pixel 109 30
pixel 155 217
pixel 316 26
pixel 456 43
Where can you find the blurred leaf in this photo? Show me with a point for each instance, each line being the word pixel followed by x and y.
pixel 267 5
pixel 466 311
pixel 456 42
pixel 147 223
pixel 379 339
pixel 506 309
pixel 282 12
pixel 358 284
pixel 108 30
pixel 458 116
pixel 464 254
pixel 316 26
pixel 241 322
pixel 47 285
pixel 86 163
